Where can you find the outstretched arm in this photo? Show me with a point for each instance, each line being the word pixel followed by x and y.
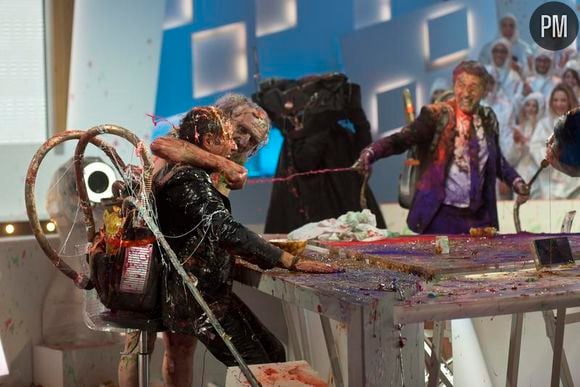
pixel 419 131
pixel 178 151
pixel 202 205
pixel 510 176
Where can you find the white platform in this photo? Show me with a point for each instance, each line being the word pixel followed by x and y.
pixel 290 374
pixel 73 367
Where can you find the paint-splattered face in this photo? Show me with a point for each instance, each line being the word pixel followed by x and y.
pixel 251 130
pixel 224 144
pixel 469 90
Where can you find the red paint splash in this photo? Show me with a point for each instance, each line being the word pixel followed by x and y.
pixel 270 371
pixel 270 376
pixel 8 323
pixel 155 119
pixel 302 377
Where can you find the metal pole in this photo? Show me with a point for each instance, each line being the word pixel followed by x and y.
pixel 544 164
pixel 143 359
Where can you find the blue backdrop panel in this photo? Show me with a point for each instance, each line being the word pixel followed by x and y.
pixel 441 28
pixel 175 84
pixel 394 53
pixel 313 46
pixel 380 57
pixel 391 108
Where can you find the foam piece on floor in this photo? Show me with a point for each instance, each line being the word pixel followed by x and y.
pixel 290 374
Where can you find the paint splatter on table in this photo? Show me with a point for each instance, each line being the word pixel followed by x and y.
pixel 417 254
pixel 480 277
pixel 361 300
pixel 490 294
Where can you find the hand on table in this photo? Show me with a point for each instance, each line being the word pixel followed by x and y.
pixel 305 265
pixel 316 267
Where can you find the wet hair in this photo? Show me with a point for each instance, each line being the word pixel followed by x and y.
pixel 471 67
pixel 572 100
pixel 246 117
pixel 200 122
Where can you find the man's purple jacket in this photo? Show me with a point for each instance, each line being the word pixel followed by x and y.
pixel 433 132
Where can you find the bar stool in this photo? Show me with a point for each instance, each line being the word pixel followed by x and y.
pixel 99 318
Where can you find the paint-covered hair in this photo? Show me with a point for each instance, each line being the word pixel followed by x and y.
pixel 247 117
pixel 202 121
pixel 471 67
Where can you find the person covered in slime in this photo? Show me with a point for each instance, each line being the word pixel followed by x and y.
pixel 250 129
pixel 456 190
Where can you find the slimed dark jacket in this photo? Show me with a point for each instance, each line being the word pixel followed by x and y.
pixel 434 133
pixel 196 221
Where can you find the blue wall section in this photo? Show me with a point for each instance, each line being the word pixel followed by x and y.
pixel 380 57
pixel 389 55
pixel 402 7
pixel 175 90
pixel 313 46
pixel 441 28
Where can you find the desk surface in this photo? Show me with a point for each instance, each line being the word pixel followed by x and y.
pixel 481 277
pixel 417 255
pixel 359 285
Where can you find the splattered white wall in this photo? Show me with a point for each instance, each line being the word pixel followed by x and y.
pixel 24 278
pixel 114 67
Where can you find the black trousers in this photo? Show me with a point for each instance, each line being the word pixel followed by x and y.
pixel 251 338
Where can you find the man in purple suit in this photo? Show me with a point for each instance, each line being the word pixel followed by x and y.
pixel 460 159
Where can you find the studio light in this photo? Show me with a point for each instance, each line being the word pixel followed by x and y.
pixel 50 226
pixel 9 229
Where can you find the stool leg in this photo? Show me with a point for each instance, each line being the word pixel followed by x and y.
pixel 144 359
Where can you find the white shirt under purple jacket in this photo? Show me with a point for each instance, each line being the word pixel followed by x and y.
pixel 458 183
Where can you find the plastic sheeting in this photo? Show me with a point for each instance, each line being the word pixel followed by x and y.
pixel 354 225
pixel 63 317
